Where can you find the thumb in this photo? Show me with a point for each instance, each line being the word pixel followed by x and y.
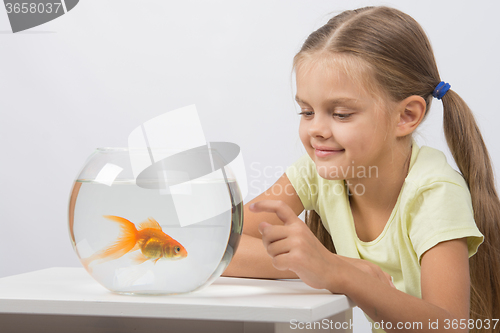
pixel 262 226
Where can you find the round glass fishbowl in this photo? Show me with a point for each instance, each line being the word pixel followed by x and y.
pixel 154 221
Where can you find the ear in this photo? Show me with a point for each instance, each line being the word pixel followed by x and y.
pixel 410 115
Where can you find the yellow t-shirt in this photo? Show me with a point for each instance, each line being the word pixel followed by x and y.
pixel 434 205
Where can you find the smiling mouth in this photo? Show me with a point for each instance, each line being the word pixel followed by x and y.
pixel 327 152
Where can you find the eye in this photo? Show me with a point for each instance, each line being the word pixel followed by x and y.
pixel 342 116
pixel 306 113
pixel 177 249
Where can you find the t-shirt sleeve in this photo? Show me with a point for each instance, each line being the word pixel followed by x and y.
pixel 302 175
pixel 442 211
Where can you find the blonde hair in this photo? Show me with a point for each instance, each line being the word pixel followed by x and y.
pixel 402 64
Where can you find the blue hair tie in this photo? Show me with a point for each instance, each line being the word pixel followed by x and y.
pixel 441 89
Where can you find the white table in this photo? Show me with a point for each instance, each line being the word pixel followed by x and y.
pixel 69 300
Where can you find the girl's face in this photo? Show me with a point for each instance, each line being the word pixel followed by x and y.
pixel 343 128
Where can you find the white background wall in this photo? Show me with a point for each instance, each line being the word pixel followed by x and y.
pixel 87 79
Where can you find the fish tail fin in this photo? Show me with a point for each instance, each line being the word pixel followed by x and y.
pixel 124 244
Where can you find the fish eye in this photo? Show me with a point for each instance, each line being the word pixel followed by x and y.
pixel 177 249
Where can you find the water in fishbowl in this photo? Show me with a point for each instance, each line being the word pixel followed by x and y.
pixel 129 238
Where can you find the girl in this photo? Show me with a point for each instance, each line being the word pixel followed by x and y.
pixel 393 225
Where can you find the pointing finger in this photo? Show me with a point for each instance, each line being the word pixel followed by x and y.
pixel 281 209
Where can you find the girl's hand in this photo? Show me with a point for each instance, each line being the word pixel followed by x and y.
pixel 294 247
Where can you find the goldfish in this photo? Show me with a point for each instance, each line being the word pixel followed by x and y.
pixel 148 237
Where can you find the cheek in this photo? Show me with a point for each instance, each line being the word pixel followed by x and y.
pixel 358 135
pixel 351 137
pixel 303 134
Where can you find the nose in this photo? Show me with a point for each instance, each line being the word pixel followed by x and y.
pixel 319 127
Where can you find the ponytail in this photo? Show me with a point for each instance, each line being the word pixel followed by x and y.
pixel 471 156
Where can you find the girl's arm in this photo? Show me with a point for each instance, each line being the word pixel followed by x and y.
pixel 444 277
pixel 252 261
pixel 445 293
pixel 251 258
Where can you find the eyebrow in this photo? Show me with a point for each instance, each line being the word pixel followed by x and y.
pixel 331 101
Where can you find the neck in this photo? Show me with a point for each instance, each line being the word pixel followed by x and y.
pixel 380 192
